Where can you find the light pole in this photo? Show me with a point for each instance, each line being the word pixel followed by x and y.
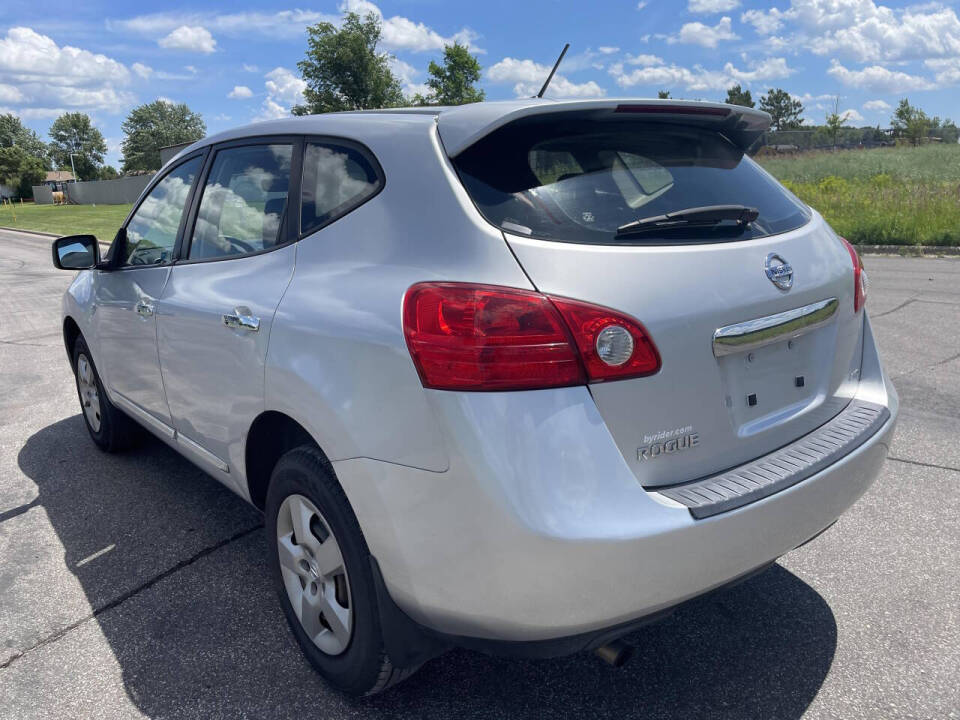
pixel 73 169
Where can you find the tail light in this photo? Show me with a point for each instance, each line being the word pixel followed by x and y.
pixel 859 277
pixel 483 337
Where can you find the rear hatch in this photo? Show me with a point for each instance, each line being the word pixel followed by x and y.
pixel 754 352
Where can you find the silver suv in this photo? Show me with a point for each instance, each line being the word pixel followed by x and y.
pixel 515 376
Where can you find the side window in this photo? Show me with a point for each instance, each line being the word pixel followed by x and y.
pixel 244 202
pixel 152 231
pixel 336 178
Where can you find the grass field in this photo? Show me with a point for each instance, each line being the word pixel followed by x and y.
pixel 886 196
pixel 100 220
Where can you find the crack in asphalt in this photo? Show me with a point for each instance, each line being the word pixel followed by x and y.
pixel 923 464
pixel 120 599
pixel 901 306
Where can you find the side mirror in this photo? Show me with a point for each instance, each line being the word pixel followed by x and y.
pixel 76 252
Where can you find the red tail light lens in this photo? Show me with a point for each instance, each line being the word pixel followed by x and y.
pixel 484 337
pixel 592 325
pixel 859 277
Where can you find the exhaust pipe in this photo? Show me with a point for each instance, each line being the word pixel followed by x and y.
pixel 615 653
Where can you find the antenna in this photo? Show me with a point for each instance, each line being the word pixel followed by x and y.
pixel 555 66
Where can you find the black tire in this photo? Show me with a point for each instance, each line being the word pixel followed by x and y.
pixel 117 431
pixel 363 668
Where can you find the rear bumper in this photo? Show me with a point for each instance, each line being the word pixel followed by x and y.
pixel 526 541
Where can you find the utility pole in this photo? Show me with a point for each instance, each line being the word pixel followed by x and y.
pixel 73 169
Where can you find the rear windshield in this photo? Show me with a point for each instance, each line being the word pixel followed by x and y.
pixel 580 181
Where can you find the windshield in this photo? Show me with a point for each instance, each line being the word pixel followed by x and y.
pixel 580 181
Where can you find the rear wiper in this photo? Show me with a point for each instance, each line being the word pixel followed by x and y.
pixel 707 216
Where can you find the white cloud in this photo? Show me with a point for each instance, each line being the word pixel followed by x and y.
pixel 250 68
pixel 284 90
pixel 642 4
pixel 46 79
pixel 876 106
pixel 696 33
pixel 948 70
pixel 400 33
pixel 608 49
pixel 192 38
pixel 852 116
pixel 407 74
pixel 528 77
pixel 878 78
pixel 865 30
pixel 144 71
pixel 764 22
pixel 283 23
pixel 643 59
pixel 10 94
pixel 240 92
pixel 699 78
pixel 712 6
pixel 272 110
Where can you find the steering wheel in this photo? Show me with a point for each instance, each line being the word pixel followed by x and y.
pixel 242 245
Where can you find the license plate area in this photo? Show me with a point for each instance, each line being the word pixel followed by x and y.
pixel 770 385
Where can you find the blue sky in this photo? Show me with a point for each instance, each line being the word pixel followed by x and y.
pixel 236 63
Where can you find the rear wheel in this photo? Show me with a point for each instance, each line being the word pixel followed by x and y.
pixel 321 569
pixel 109 428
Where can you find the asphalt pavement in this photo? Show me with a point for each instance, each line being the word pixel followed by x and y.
pixel 134 585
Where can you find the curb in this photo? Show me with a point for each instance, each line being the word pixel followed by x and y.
pixel 30 232
pixel 51 236
pixel 909 250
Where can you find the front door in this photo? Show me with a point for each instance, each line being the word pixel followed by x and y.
pixel 126 298
pixel 218 305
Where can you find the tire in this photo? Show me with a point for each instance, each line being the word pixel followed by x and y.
pixel 303 485
pixel 110 429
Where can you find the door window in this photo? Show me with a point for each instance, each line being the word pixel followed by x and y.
pixel 152 231
pixel 336 179
pixel 244 202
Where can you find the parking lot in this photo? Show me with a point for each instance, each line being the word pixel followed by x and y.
pixel 134 585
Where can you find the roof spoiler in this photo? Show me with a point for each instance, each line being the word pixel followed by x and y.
pixel 463 126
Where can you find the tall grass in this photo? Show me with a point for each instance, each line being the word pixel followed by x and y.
pixel 886 196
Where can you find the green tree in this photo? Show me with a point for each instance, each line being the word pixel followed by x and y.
pixel 834 121
pixel 13 132
pixel 20 169
pixel 784 110
pixel 911 123
pixel 73 133
pixel 453 83
pixel 153 126
pixel 663 94
pixel 946 130
pixel 738 96
pixel 344 70
pixel 109 172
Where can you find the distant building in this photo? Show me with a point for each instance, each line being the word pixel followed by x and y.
pixel 167 153
pixel 56 179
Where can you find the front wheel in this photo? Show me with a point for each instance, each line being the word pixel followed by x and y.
pixel 321 569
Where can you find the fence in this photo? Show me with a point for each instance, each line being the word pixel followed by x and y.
pixel 97 192
pixel 43 194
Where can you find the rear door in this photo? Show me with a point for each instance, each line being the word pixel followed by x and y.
pixel 216 311
pixel 776 294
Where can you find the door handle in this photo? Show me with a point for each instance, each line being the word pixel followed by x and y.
pixel 144 308
pixel 241 319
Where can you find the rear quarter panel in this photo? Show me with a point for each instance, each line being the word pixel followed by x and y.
pixel 337 361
